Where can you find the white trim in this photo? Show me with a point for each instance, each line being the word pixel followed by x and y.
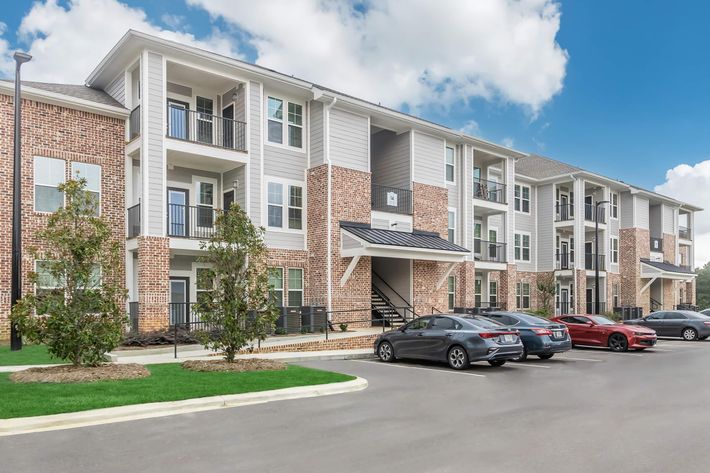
pixel 285 101
pixel 285 203
pixel 445 276
pixel 446 164
pixel 521 211
pixel 349 270
pixel 530 245
pixel 34 182
pixel 451 210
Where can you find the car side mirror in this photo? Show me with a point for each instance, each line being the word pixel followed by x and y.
pixel 590 324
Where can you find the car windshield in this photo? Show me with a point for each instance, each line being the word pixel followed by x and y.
pixel 532 320
pixel 480 322
pixel 602 320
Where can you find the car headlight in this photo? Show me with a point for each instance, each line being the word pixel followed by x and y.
pixel 641 334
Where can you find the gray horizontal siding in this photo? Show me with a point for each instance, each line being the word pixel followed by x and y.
pixel 390 159
pixel 626 210
pixel 545 228
pixel 154 144
pixel 349 140
pixel 117 88
pixel 284 163
pixel 316 126
pixel 668 220
pixel 641 212
pixel 428 159
pixel 284 240
pixel 255 153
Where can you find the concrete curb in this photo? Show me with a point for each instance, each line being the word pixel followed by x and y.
pixel 108 415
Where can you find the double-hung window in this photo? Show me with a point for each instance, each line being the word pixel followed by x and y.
pixel 477 284
pixel 288 129
pixel 522 295
pixel 92 174
pixel 275 122
pixel 451 235
pixel 282 196
pixel 295 125
pixel 48 175
pixel 450 167
pixel 204 285
pixel 614 205
pixel 295 287
pixel 493 293
pixel 276 286
pixel 615 294
pixel 451 290
pixel 522 247
pixel 614 247
pixel 522 198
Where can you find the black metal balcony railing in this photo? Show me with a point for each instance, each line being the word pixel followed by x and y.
pixel 564 212
pixel 489 190
pixel 198 127
pixel 564 261
pixel 684 233
pixel 593 308
pixel 191 221
pixel 590 216
pixel 134 221
pixel 134 123
pixel 563 308
pixel 589 261
pixel 391 199
pixel 490 251
pixel 657 244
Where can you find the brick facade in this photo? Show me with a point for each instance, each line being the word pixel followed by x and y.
pixel 506 287
pixel 634 244
pixel 580 291
pixel 465 281
pixel 153 282
pixel 669 253
pixel 55 132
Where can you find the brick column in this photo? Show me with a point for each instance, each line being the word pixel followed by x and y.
pixel 669 248
pixel 580 295
pixel 506 287
pixel 670 294
pixel 153 282
pixel 690 291
pixel 465 282
pixel 634 244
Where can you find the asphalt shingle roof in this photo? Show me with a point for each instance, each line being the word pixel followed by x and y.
pixel 540 167
pixel 668 267
pixel 75 90
pixel 416 239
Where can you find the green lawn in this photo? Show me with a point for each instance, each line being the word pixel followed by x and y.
pixel 168 382
pixel 29 355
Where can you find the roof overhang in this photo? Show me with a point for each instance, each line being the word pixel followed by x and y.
pixel 652 272
pixel 352 246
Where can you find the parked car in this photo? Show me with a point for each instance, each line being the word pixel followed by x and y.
pixel 540 337
pixel 686 324
pixel 705 312
pixel 595 330
pixel 458 340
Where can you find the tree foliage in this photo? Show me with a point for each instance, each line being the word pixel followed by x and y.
pixel 702 286
pixel 78 308
pixel 238 305
pixel 546 289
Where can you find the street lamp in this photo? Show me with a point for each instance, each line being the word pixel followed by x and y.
pixel 596 254
pixel 16 285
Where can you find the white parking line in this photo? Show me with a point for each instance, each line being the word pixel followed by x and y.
pixel 527 365
pixel 605 353
pixel 658 349
pixel 576 359
pixel 438 370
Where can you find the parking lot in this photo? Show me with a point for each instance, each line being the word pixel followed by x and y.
pixel 588 410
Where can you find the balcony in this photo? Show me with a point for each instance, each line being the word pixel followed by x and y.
pixel 134 221
pixel 589 260
pixel 490 191
pixel 202 128
pixel 194 222
pixel 564 212
pixel 134 123
pixel 590 216
pixel 489 251
pixel 684 233
pixel 391 199
pixel 657 245
pixel 592 307
pixel 564 261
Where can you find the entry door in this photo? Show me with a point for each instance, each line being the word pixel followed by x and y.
pixel 179 300
pixel 589 207
pixel 178 122
pixel 564 207
pixel 564 255
pixel 589 255
pixel 492 247
pixel 228 127
pixel 178 216
pixel 204 119
pixel 564 301
pixel 590 300
pixel 227 200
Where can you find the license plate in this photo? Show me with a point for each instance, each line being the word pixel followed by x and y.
pixel 557 333
pixel 508 338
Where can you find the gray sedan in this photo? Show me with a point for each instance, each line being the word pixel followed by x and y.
pixel 457 339
pixel 686 324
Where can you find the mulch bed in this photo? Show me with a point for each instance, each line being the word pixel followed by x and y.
pixel 80 374
pixel 254 364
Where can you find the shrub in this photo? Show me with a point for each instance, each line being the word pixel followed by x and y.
pixel 343 327
pixel 280 331
pixel 161 337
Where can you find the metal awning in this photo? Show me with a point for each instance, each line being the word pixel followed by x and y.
pixel 653 270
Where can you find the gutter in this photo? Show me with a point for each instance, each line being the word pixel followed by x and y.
pixel 329 206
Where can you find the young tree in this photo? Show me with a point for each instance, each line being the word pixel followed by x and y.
pixel 238 306
pixel 546 289
pixel 78 307
pixel 702 286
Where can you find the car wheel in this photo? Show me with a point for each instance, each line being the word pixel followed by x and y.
pixel 458 358
pixel 496 362
pixel 523 356
pixel 385 352
pixel 690 334
pixel 546 356
pixel 618 342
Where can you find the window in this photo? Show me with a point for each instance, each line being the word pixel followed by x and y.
pixel 277 200
pixel 46 282
pixel 452 226
pixel 205 110
pixel 522 295
pixel 450 164
pixel 204 285
pixel 614 246
pixel 451 291
pixel 205 204
pixel 477 238
pixel 615 294
pixel 614 205
pixel 477 292
pixel 295 287
pixel 445 323
pixel 522 198
pixel 419 324
pixel 674 316
pixel 522 247
pixel 276 286
pixel 48 174
pixel 493 293
pixel 92 174
pixel 275 122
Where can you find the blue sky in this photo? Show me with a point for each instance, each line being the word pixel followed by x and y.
pixel 633 102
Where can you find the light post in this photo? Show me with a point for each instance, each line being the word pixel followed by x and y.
pixel 596 254
pixel 16 285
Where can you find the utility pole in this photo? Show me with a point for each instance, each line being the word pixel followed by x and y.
pixel 596 254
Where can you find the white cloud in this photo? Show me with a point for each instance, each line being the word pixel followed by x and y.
pixel 508 142
pixel 471 128
pixel 417 53
pixel 691 183
pixel 67 43
pixel 7 65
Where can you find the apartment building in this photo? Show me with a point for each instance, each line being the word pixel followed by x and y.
pixel 362 205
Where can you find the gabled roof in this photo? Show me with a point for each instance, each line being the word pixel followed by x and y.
pixel 416 239
pixel 540 167
pixel 73 90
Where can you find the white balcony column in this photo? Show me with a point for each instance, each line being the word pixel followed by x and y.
pixel 579 212
pixel 509 169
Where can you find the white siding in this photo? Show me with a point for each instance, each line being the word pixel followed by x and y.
pixel 668 219
pixel 316 127
pixel 255 152
pixel 155 157
pixel 428 159
pixel 641 212
pixel 285 240
pixel 117 88
pixel 526 223
pixel 626 200
pixel 349 140
pixel 285 163
pixel 390 159
pixel 545 228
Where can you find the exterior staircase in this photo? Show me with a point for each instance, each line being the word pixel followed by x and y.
pixel 383 309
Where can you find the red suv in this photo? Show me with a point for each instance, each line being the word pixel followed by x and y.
pixel 598 331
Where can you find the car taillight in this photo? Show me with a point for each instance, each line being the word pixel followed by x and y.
pixel 495 334
pixel 542 331
pixel 706 323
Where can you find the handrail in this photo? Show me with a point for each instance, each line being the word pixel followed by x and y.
pixel 406 302
pixel 655 305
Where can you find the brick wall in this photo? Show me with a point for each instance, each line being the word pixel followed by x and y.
pixel 530 278
pixel 153 282
pixel 282 258
pixel 350 343
pixel 580 294
pixel 506 286
pixel 611 279
pixel 465 281
pixel 54 132
pixel 669 253
pixel 634 244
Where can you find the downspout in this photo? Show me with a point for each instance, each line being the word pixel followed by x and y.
pixel 329 211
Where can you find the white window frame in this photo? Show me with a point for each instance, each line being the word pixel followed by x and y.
pixel 74 176
pixel 522 247
pixel 614 205
pixel 285 123
pixel 283 284
pixel 451 165
pixel 451 293
pixel 451 230
pixel 197 181
pixel 34 182
pixel 491 293
pixel 520 295
pixel 614 250
pixel 518 198
pixel 615 291
pixel 288 286
pixel 195 290
pixel 285 204
pixel 478 296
